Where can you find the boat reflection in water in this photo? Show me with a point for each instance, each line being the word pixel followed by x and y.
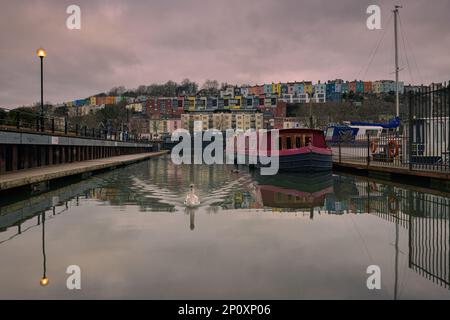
pixel 420 217
pixel 294 191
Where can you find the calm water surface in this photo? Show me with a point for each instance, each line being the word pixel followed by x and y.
pixel 283 237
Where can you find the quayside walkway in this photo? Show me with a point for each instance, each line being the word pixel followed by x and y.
pixel 34 176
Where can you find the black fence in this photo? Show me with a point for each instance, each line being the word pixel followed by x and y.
pixel 421 143
pixel 27 122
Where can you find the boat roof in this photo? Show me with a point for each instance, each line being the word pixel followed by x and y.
pixel 301 130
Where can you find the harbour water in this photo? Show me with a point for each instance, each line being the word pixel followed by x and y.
pixel 252 237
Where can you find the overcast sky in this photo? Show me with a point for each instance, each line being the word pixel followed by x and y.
pixel 237 41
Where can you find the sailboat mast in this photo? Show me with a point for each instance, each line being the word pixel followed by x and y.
pixel 397 69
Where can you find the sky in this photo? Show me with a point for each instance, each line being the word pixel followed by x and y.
pixel 138 42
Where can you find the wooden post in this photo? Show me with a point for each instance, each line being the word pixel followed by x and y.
pixel 14 158
pixel 50 155
pixel 33 156
pixel 26 157
pixel 2 158
pixel 63 154
pixel 43 155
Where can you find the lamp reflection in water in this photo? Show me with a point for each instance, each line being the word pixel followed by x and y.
pixel 44 280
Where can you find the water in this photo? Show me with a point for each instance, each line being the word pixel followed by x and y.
pixel 284 237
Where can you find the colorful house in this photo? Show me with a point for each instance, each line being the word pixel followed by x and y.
pixel 359 87
pixel 276 89
pixel 367 86
pixel 299 88
pixel 352 86
pixel 344 87
pixel 320 88
pixel 307 87
pixel 291 88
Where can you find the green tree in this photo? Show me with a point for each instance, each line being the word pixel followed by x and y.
pixel 28 116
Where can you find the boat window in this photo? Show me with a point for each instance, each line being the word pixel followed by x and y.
pixel 308 141
pixel 288 143
pixel 298 142
pixel 280 143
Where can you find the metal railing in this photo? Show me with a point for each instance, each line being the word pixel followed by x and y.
pixel 421 144
pixel 391 150
pixel 31 123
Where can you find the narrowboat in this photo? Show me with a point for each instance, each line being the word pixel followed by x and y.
pixel 299 150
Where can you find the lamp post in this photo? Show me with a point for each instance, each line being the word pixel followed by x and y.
pixel 42 54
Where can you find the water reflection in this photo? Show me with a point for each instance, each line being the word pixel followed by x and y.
pixel 159 186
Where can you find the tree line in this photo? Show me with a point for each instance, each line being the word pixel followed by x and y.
pixel 169 89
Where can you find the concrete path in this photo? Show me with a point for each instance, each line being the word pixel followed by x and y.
pixel 390 168
pixel 37 175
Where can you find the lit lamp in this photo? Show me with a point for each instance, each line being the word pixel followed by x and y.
pixel 42 54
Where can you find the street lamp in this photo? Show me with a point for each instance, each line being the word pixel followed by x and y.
pixel 42 54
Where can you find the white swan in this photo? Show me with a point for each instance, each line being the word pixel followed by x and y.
pixel 191 199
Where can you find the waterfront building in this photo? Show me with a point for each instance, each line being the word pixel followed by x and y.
pixel 253 91
pixel 352 86
pixel 330 88
pixel 367 87
pixel 135 107
pixel 320 89
pixel 359 87
pixel 246 121
pixel 276 89
pixel 303 98
pixel 222 121
pixel 227 92
pixel 85 110
pixel 308 87
pixel 158 128
pixel 289 98
pixel 344 87
pixel 79 103
pixel 284 89
pixel 411 88
pixel 319 97
pixel 376 87
pixel 292 123
pixel 299 88
pixel 118 99
pixel 267 89
pixel 291 88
